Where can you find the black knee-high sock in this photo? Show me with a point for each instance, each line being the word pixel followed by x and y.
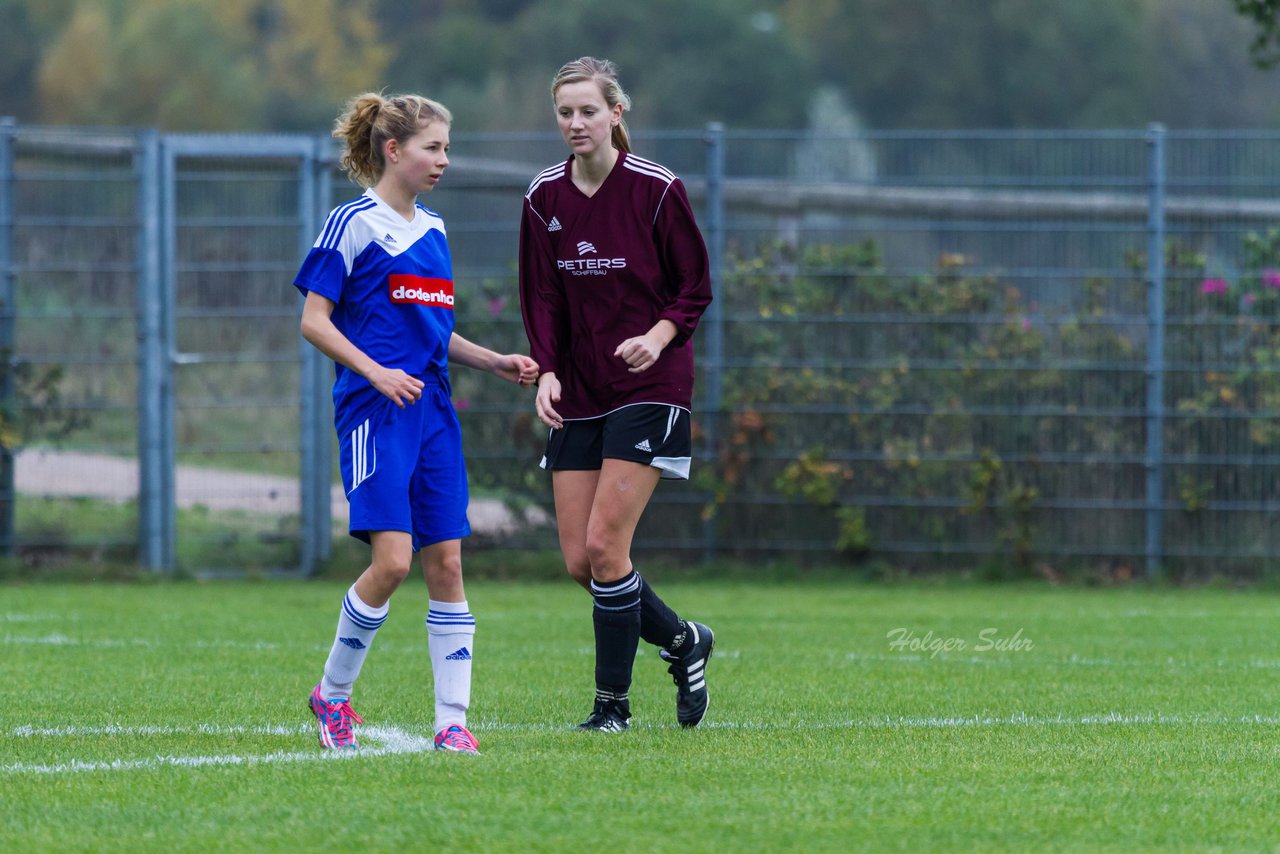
pixel 616 616
pixel 659 625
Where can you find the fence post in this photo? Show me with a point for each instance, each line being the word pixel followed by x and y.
pixel 322 368
pixel 8 317
pixel 307 402
pixel 1154 458
pixel 155 473
pixel 317 513
pixel 712 369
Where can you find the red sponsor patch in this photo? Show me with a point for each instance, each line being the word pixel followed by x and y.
pixel 437 293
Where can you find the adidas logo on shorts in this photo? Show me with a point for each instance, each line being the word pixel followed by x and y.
pixel 643 445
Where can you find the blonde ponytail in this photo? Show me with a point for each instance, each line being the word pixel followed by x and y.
pixel 370 119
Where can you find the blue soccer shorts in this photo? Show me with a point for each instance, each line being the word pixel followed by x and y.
pixel 402 469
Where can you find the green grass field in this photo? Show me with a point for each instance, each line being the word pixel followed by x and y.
pixel 170 717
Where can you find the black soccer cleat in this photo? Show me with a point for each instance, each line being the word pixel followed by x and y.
pixel 608 716
pixel 689 671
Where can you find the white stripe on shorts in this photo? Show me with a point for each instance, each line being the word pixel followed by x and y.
pixel 361 468
pixel 672 468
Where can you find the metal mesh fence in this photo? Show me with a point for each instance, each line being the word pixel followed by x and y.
pixel 71 383
pixel 1223 391
pixel 939 348
pixel 937 368
pixel 237 394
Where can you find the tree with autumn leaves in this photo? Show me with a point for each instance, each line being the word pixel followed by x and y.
pixel 283 65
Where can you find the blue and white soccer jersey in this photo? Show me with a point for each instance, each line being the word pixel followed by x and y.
pixel 391 283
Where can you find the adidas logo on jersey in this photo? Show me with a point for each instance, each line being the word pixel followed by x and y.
pixel 388 239
pixel 643 445
pixel 554 225
pixel 462 654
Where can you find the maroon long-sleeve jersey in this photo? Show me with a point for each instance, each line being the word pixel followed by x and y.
pixel 595 271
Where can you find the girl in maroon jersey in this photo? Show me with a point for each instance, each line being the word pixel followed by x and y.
pixel 613 279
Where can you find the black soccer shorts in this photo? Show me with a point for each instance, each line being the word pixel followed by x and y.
pixel 653 434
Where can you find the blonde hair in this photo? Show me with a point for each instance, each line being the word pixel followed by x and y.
pixel 604 74
pixel 370 119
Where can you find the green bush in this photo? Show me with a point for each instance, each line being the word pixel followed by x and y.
pixel 946 415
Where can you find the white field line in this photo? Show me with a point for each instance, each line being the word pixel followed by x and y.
pixel 389 741
pixel 1008 659
pixel 27 617
pixel 29 731
pixel 1015 720
pixel 1004 660
pixel 917 722
pixel 57 639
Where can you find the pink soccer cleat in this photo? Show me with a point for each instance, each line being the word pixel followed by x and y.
pixel 457 739
pixel 334 719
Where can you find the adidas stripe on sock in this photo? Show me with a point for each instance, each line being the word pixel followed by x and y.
pixel 620 595
pixel 451 636
pixel 357 625
pixel 616 619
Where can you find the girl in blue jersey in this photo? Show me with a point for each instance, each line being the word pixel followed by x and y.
pixel 613 280
pixel 379 301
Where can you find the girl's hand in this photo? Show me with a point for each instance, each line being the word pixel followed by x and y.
pixel 397 385
pixel 641 352
pixel 548 393
pixel 519 369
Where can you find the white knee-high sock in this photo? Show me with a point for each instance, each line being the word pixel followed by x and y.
pixel 451 635
pixel 357 624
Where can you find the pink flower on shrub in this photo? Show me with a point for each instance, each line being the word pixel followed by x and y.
pixel 1250 299
pixel 1214 286
pixel 1271 278
pixel 496 305
pixel 462 404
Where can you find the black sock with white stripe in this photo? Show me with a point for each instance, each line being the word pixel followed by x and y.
pixel 616 616
pixel 618 701
pixel 659 625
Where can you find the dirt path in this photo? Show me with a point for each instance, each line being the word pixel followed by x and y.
pixel 67 474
